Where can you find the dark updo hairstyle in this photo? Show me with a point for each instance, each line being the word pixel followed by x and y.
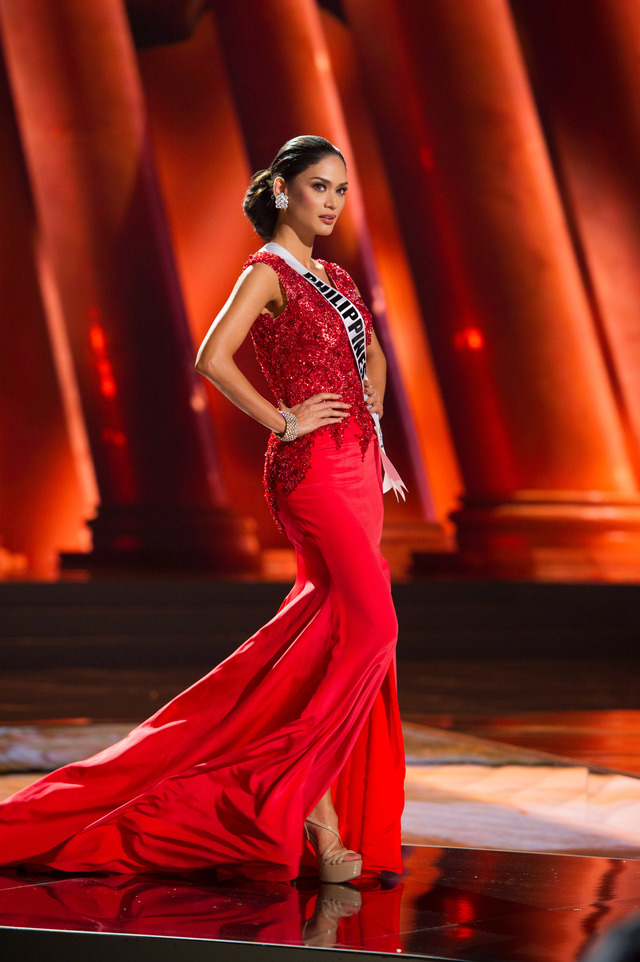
pixel 292 158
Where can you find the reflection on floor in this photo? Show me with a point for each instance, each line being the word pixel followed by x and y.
pixel 607 738
pixel 456 904
pixel 463 790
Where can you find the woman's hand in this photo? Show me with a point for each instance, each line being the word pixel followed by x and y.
pixel 374 401
pixel 318 410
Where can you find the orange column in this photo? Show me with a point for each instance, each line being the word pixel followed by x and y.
pixel 80 109
pixel 41 499
pixel 397 286
pixel 550 488
pixel 281 74
pixel 584 61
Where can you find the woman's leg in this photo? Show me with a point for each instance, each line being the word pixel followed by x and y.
pixel 334 519
pixel 325 812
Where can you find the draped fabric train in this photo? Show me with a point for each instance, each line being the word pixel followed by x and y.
pixel 223 776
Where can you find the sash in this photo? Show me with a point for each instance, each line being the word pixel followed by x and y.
pixel 356 332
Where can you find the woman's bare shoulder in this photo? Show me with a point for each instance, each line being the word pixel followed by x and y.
pixel 260 277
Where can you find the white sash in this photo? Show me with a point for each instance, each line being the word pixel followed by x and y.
pixel 356 332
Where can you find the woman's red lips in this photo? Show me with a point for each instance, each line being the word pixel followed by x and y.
pixel 327 216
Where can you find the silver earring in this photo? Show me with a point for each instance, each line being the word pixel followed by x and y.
pixel 282 201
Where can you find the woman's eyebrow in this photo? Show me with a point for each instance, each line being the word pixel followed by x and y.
pixel 325 181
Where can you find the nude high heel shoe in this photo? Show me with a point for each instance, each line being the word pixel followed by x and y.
pixel 331 864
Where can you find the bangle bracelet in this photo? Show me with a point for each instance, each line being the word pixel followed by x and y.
pixel 292 427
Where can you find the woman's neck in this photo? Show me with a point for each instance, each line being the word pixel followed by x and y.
pixel 292 242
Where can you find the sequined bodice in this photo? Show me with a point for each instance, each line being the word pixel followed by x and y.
pixel 303 351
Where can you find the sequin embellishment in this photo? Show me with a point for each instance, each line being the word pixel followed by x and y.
pixel 303 351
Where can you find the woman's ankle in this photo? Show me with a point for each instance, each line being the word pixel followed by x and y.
pixel 325 812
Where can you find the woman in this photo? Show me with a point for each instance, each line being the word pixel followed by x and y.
pixel 300 726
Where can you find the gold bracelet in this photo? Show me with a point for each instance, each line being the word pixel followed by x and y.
pixel 292 428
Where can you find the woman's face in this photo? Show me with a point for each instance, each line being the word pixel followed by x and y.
pixel 316 197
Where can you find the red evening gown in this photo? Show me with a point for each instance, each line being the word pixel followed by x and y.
pixel 223 776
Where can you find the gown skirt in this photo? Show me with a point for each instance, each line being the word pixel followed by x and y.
pixel 223 776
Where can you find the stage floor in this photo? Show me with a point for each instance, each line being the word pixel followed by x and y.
pixel 522 823
pixel 462 904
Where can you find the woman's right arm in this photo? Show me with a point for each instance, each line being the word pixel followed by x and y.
pixel 256 289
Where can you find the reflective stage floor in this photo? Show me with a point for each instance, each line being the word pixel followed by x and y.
pixel 463 904
pixel 522 823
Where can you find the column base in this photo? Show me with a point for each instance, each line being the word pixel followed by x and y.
pixel 547 536
pixel 402 540
pixel 173 539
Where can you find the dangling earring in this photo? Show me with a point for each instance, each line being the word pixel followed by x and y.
pixel 282 201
